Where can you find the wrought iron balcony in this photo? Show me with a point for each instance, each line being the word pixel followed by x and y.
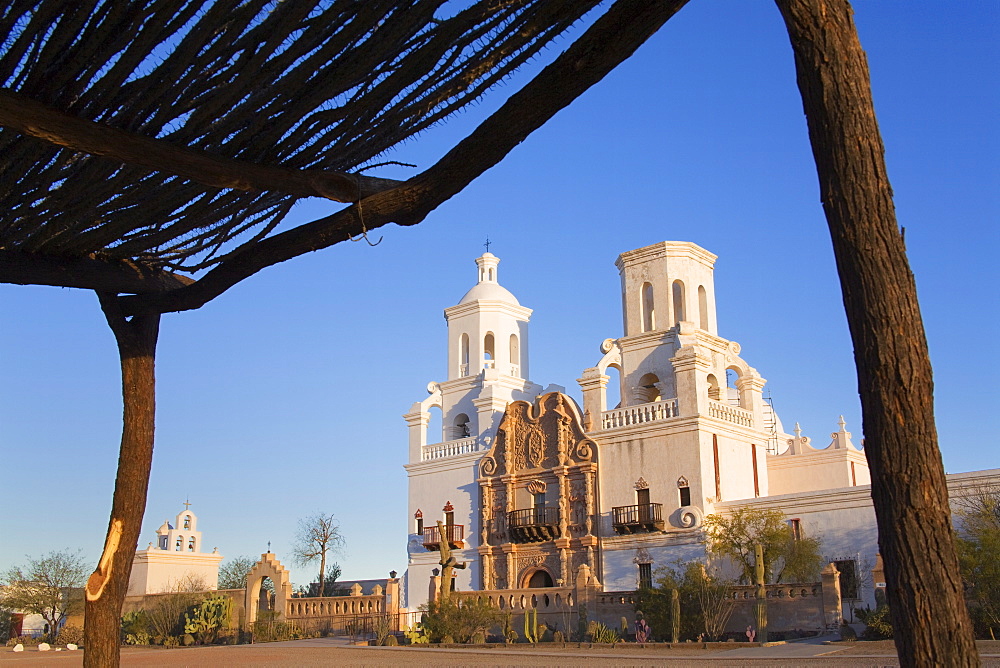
pixel 641 518
pixel 533 525
pixel 455 533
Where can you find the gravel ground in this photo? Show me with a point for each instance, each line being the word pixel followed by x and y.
pixel 320 653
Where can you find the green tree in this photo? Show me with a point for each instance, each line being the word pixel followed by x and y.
pixel 786 556
pixel 51 586
pixel 318 535
pixel 978 543
pixel 233 572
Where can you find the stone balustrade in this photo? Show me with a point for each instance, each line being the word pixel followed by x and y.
pixel 789 591
pixel 449 449
pixel 330 606
pixel 549 599
pixel 653 412
pixel 733 414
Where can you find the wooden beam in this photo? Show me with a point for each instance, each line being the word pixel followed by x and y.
pixel 117 276
pixel 610 40
pixel 49 124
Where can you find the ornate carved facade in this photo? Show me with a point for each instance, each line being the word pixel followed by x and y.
pixel 538 496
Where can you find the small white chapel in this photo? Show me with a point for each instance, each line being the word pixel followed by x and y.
pixel 175 557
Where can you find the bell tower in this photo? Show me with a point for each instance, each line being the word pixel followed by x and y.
pixel 487 368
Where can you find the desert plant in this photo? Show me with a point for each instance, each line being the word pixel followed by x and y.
pixel 383 628
pixel 675 616
pixel 531 625
pixel 459 618
pixel 878 623
pixel 27 641
pixel 416 635
pixel 847 633
pixel 760 605
pixel 581 621
pixel 209 618
pixel 70 635
pixel 600 633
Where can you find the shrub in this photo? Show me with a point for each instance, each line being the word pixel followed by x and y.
pixel 459 619
pixel 382 627
pixel 27 641
pixel 878 624
pixel 847 633
pixel 268 628
pixel 70 634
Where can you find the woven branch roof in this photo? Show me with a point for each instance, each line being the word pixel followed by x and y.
pixel 311 89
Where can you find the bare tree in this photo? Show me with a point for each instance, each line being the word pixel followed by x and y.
pixel 51 586
pixel 318 535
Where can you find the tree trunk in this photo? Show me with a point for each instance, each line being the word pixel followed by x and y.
pixel 106 588
pixel 322 572
pixel 929 615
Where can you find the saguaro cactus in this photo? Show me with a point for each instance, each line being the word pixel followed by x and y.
pixel 675 616
pixel 531 625
pixel 760 607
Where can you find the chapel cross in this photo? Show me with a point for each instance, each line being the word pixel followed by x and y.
pixel 187 504
pixel 487 244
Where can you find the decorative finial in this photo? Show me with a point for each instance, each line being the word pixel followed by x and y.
pixel 187 503
pixel 842 423
pixel 798 430
pixel 268 547
pixel 487 244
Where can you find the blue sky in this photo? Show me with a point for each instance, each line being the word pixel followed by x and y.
pixel 283 397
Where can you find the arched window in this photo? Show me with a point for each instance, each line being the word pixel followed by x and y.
pixel 191 544
pixel 685 491
pixel 647 391
pixel 187 521
pixel 492 275
pixel 489 349
pixel 515 356
pixel 180 544
pixel 461 426
pixel 463 356
pixel 677 291
pixel 648 310
pixel 702 308
pixel 713 388
pixel 163 542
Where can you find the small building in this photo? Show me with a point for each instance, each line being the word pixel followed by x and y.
pixel 175 560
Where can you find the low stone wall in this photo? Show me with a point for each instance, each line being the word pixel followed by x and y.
pixel 789 608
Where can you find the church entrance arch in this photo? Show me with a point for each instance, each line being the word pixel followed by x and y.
pixel 268 568
pixel 537 578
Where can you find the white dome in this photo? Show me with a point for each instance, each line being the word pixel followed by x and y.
pixel 488 290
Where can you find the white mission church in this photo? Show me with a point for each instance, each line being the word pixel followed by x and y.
pixel 530 485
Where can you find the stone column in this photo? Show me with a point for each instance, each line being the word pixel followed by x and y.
pixel 417 421
pixel 691 371
pixel 595 396
pixel 832 608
